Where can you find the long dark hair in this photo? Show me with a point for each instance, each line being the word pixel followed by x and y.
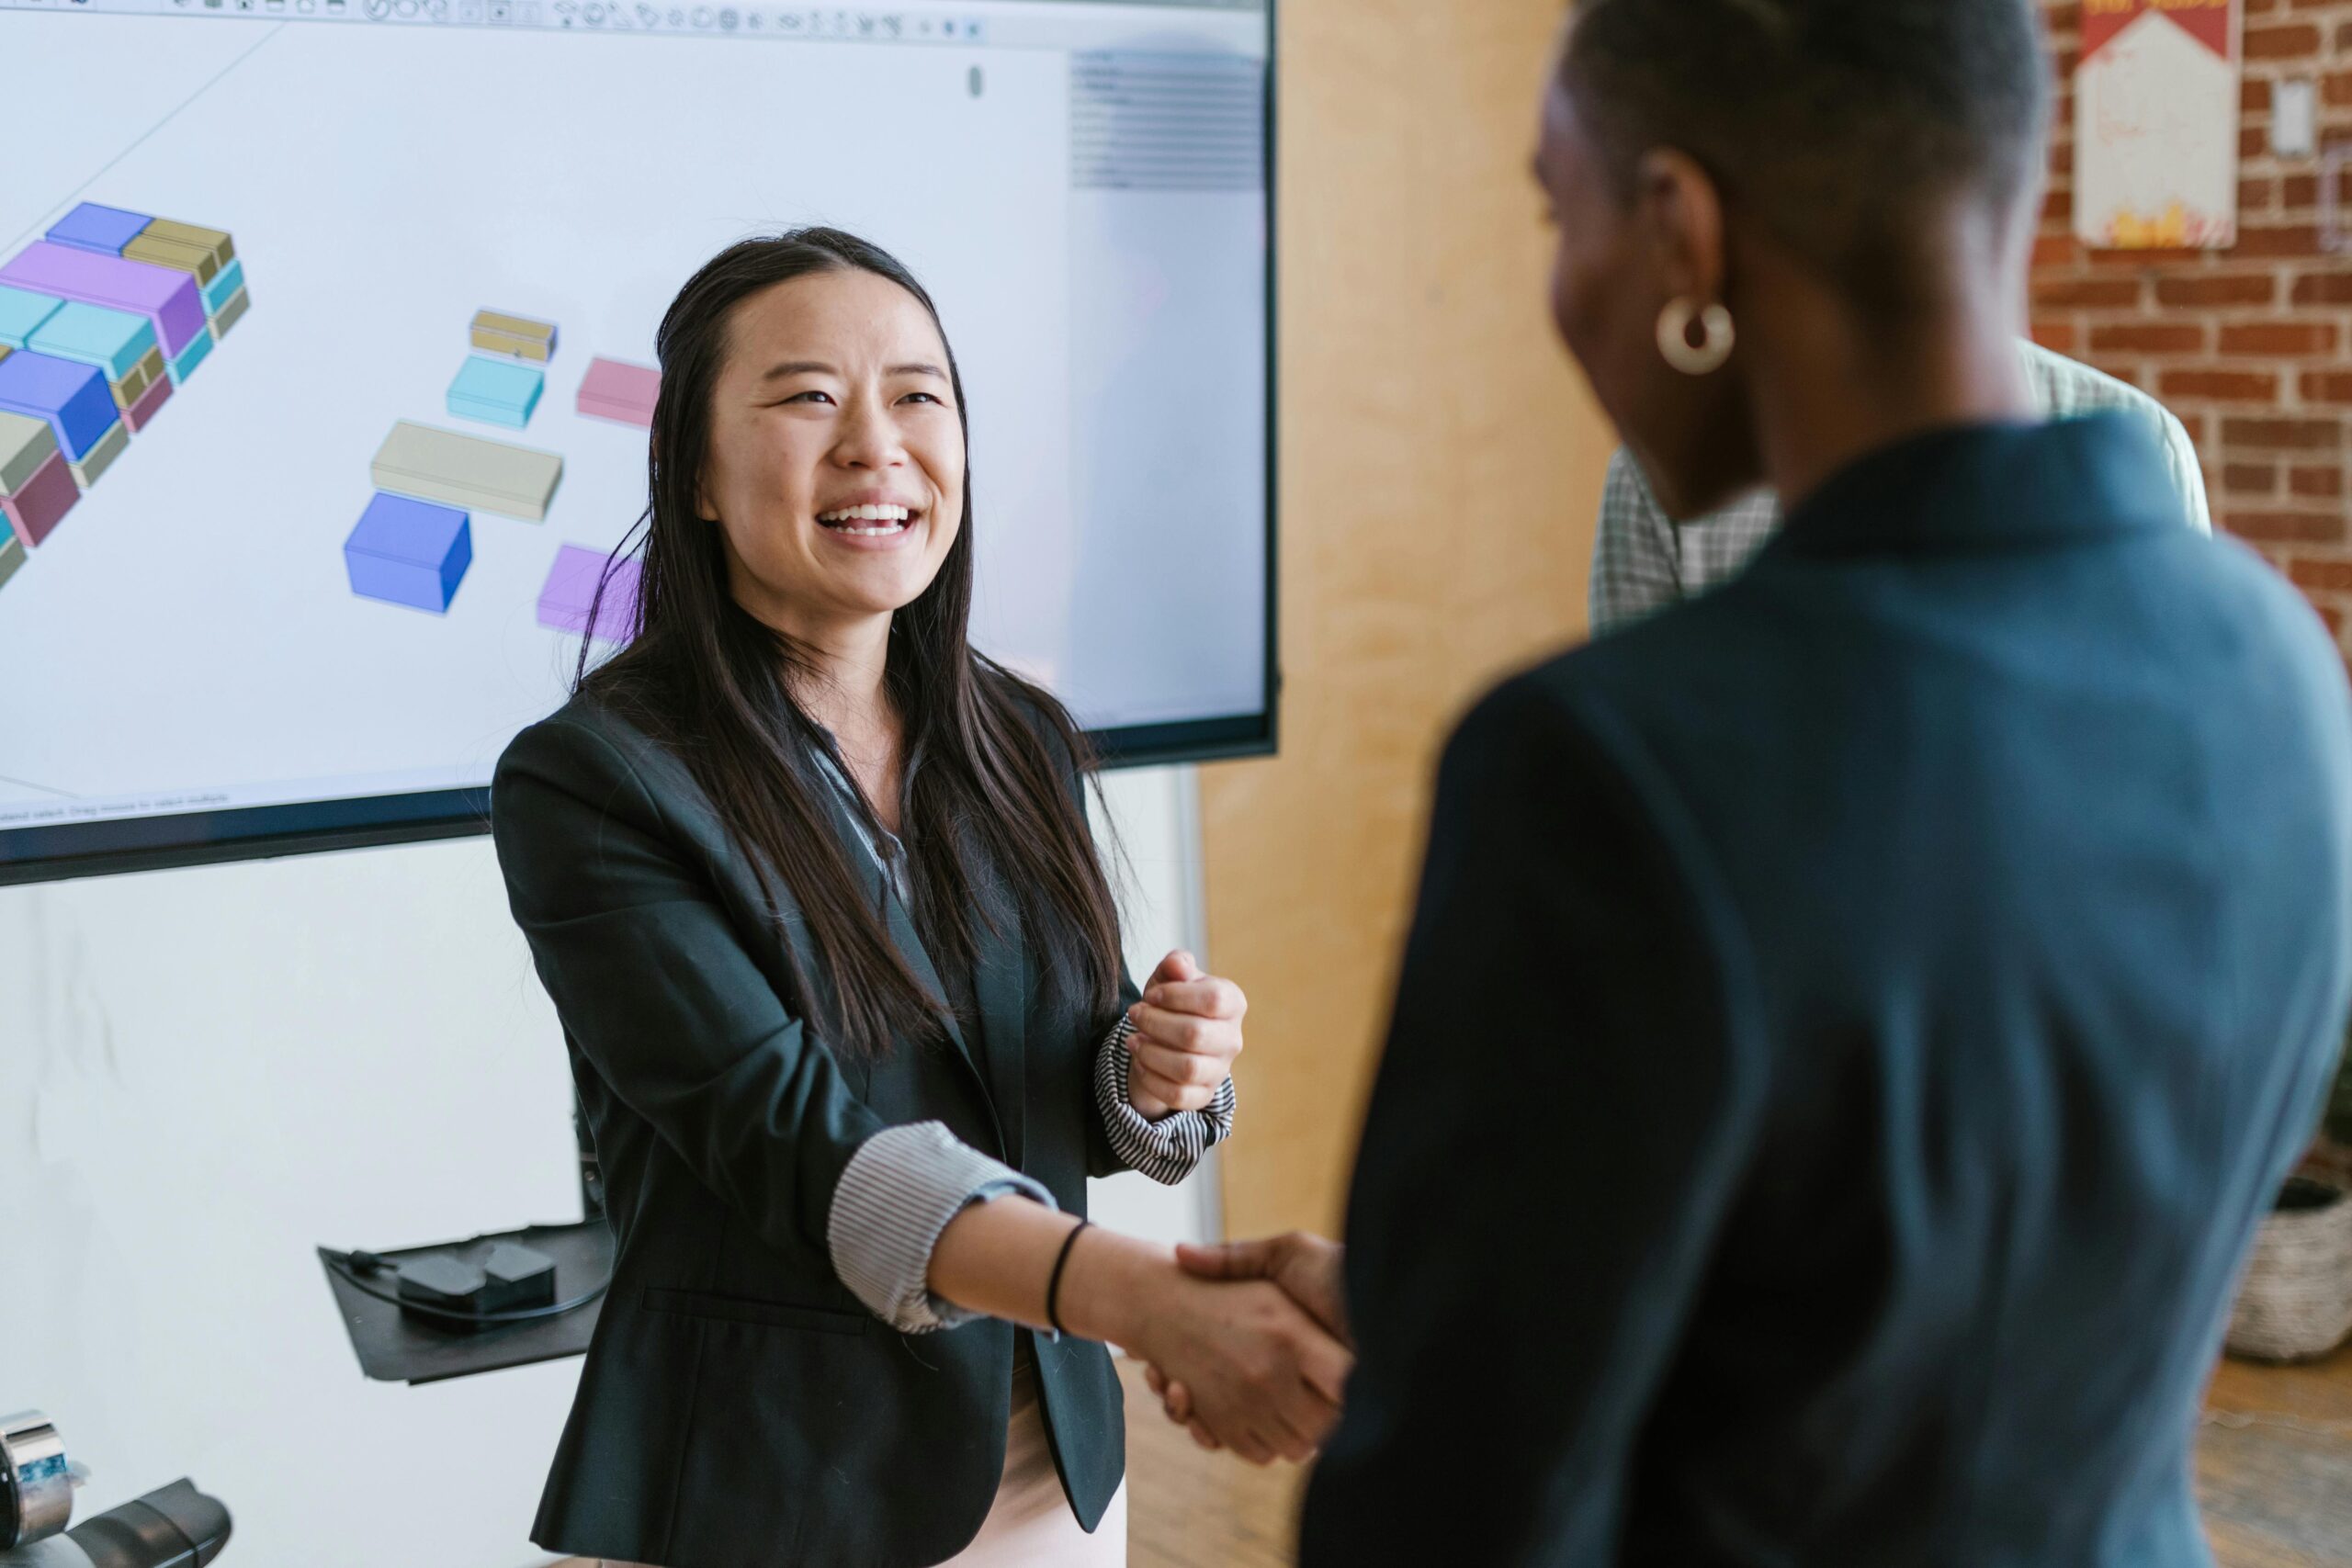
pixel 991 756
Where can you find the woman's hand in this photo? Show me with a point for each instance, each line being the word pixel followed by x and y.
pixel 1263 1378
pixel 1187 1030
pixel 1308 1267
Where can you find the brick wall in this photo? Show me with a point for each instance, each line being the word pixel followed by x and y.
pixel 2252 347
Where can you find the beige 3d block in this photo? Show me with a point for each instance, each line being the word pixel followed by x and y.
pixel 212 241
pixel 494 331
pixel 100 457
pixel 468 471
pixel 26 444
pixel 178 254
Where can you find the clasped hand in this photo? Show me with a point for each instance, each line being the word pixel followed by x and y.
pixel 1187 1033
pixel 1265 1371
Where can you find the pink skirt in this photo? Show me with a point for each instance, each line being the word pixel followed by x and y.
pixel 1030 1525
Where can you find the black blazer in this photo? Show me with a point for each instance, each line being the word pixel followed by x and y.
pixel 739 1407
pixel 1852 1024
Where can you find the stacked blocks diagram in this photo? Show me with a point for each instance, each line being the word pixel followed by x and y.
pixel 412 552
pixel 567 602
pixel 164 295
pixel 619 391
pixel 100 320
pixel 414 541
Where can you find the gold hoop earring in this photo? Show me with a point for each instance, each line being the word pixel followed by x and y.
pixel 1674 337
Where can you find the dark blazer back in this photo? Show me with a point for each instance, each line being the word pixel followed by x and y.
pixel 1851 1027
pixel 739 1407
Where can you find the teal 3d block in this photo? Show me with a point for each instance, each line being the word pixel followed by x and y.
pixel 225 283
pixel 500 391
pixel 189 357
pixel 22 311
pixel 113 341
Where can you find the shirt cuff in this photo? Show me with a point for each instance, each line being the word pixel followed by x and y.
pixel 1166 1150
pixel 899 1191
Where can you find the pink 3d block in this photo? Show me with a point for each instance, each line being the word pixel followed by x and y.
pixel 570 592
pixel 140 414
pixel 619 391
pixel 164 295
pixel 35 508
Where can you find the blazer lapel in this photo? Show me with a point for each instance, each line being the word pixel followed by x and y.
pixel 1001 994
pixel 895 914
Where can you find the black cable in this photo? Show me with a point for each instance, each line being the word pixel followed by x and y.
pixel 347 1264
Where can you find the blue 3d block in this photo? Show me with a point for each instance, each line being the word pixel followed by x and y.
pixel 411 552
pixel 105 229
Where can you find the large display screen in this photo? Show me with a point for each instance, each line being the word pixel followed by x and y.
pixel 326 352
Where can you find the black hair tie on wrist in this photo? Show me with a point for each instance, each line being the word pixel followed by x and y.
pixel 1054 1283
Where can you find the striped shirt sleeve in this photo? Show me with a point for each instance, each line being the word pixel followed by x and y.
pixel 897 1193
pixel 1169 1149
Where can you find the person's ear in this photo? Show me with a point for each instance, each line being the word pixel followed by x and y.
pixel 1681 213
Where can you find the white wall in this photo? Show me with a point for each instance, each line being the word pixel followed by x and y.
pixel 204 1073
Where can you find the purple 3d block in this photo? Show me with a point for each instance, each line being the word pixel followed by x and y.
pixel 411 552
pixel 571 590
pixel 167 296
pixel 34 507
pixel 107 230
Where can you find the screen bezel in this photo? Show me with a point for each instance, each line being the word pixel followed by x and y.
pixel 266 832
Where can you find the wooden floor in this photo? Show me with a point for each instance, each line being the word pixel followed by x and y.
pixel 2274 1464
pixel 2274 1471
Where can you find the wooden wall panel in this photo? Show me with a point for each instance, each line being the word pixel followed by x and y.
pixel 1442 461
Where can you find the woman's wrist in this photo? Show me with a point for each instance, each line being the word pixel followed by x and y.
pixel 1107 1286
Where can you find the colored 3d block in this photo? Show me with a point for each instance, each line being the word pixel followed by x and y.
pixel 233 310
pixel 143 375
pixel 184 364
pixel 217 248
pixel 466 470
pixel 225 283
pixel 502 391
pixel 113 341
pixel 195 260
pixel 11 555
pixel 105 229
pixel 168 298
pixel 615 390
pixel 25 443
pixel 100 456
pixel 72 398
pixel 22 313
pixel 570 594
pixel 142 413
pixel 36 507
pixel 494 331
pixel 409 552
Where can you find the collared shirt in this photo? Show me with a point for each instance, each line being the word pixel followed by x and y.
pixel 1643 560
pixel 904 1184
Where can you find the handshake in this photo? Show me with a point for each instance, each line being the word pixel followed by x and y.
pixel 1252 1352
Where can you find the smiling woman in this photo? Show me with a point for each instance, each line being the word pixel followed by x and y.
pixel 812 885
pixel 837 480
